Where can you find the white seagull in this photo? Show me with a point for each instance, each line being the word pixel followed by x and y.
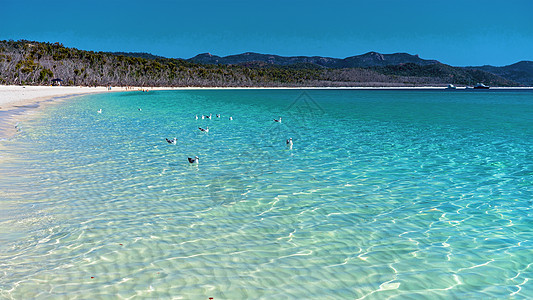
pixel 289 142
pixel 231 118
pixel 172 141
pixel 99 111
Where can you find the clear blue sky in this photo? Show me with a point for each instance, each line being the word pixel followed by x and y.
pixel 454 32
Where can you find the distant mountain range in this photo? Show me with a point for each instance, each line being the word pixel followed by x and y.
pixel 370 59
pixel 521 72
pixel 26 62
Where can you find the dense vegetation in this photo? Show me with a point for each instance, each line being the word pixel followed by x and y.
pixel 370 59
pixel 521 72
pixel 36 63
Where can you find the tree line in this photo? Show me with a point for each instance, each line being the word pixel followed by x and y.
pixel 37 63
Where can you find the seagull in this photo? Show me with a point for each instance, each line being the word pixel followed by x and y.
pixel 193 160
pixel 140 109
pixel 172 141
pixel 203 117
pixel 204 130
pixel 196 117
pixel 231 118
pixel 208 117
pixel 99 111
pixel 278 120
pixel 289 142
pixel 218 115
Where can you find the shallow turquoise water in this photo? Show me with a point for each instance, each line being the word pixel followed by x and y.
pixel 385 194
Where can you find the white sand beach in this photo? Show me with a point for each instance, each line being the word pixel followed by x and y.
pixel 13 98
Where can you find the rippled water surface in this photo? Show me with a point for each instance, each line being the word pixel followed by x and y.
pixel 385 194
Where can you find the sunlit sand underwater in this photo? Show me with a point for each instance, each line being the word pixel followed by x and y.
pixel 384 194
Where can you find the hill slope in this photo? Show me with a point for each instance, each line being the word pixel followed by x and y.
pixel 370 59
pixel 36 63
pixel 521 72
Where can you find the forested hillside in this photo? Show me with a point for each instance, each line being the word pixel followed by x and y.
pixel 370 59
pixel 36 63
pixel 521 72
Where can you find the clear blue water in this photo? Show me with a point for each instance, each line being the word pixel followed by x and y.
pixel 385 194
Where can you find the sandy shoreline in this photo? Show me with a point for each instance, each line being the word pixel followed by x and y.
pixel 12 96
pixel 17 101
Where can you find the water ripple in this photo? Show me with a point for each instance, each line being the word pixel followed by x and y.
pixel 381 200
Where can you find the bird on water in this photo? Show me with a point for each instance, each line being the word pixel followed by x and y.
pixel 172 141
pixel 289 142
